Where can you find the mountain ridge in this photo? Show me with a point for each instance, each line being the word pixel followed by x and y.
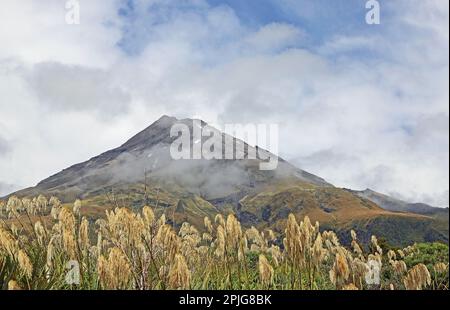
pixel 397 205
pixel 141 171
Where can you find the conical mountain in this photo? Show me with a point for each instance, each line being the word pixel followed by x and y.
pixel 142 171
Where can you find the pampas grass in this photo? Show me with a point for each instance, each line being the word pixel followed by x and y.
pixel 136 250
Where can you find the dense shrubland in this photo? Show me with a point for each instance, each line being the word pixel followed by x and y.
pixel 128 250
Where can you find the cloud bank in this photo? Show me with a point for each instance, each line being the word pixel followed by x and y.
pixel 361 106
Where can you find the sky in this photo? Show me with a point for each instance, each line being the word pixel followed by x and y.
pixel 363 106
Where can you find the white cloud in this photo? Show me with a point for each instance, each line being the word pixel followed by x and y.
pixel 274 36
pixel 36 31
pixel 75 88
pixel 374 122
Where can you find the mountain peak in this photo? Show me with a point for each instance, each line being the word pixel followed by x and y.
pixel 149 150
pixel 165 119
pixel 153 134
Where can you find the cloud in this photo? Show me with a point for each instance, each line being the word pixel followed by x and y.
pixel 4 145
pixel 7 188
pixel 343 44
pixel 362 106
pixel 36 31
pixel 274 36
pixel 76 88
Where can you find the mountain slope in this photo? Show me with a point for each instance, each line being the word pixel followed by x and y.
pixel 148 155
pixel 339 210
pixel 440 216
pixel 392 204
pixel 141 171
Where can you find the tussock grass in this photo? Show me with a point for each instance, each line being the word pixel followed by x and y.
pixel 139 251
